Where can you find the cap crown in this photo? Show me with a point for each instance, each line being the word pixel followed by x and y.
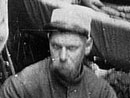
pixel 71 19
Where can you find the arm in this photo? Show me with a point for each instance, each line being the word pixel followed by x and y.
pixel 57 3
pixel 12 88
pixel 24 84
pixel 94 4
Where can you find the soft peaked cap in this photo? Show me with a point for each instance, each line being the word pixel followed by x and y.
pixel 71 19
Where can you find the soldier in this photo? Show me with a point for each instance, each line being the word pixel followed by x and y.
pixel 62 75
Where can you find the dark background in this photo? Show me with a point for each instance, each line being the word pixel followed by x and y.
pixel 26 43
pixel 25 46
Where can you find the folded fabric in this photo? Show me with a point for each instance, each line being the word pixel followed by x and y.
pixel 3 23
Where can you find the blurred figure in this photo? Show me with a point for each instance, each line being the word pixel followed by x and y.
pixel 94 4
pixel 3 23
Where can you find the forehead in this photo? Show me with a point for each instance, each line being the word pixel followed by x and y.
pixel 66 39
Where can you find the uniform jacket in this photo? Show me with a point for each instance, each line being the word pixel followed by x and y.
pixel 37 81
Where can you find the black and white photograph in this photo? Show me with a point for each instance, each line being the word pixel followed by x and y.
pixel 64 48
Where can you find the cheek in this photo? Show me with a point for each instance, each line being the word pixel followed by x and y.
pixel 54 54
pixel 77 57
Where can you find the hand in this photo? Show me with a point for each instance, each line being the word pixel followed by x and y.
pixel 94 4
pixel 56 3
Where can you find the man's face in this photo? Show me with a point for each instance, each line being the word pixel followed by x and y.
pixel 67 51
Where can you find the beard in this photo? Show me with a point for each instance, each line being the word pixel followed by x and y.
pixel 63 72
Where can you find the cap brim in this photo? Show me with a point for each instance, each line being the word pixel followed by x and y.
pixel 63 27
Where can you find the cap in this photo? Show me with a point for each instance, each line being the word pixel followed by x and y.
pixel 70 19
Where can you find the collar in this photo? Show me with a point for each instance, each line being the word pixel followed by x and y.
pixel 60 80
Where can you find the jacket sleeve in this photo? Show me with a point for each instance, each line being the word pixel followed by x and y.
pixel 13 88
pixel 24 84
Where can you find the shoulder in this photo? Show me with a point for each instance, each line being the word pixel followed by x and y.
pixel 26 81
pixel 31 75
pixel 98 87
pixel 34 72
pixel 91 77
pixel 35 68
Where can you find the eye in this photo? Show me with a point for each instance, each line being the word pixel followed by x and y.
pixel 56 47
pixel 72 48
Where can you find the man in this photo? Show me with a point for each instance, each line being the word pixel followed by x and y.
pixel 62 75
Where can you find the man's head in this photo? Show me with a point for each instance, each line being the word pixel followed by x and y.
pixel 69 42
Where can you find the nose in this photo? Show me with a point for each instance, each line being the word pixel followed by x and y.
pixel 63 54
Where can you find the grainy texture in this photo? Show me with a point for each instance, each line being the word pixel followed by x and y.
pixel 37 81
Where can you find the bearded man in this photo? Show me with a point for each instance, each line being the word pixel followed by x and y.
pixel 62 75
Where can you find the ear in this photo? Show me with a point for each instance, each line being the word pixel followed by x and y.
pixel 89 44
pixel 48 35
